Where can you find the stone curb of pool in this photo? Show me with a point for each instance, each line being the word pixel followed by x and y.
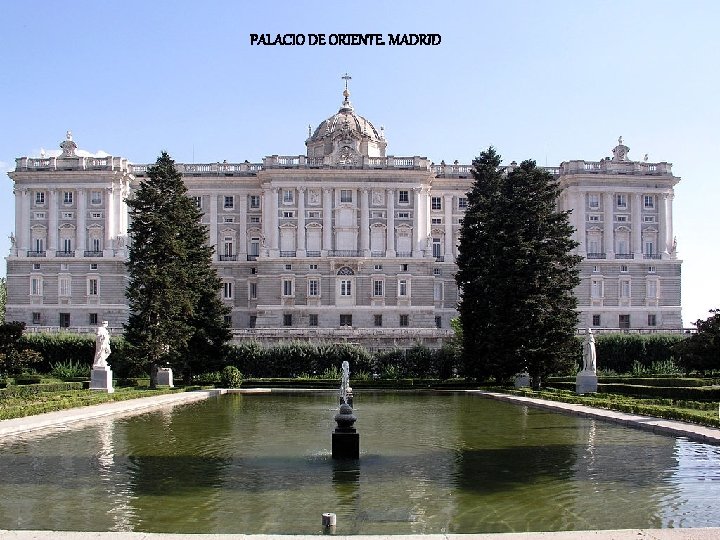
pixel 657 425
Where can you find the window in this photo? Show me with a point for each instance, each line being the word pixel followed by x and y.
pixel 67 245
pixel 254 219
pixel 96 197
pixel 436 203
pixel 64 286
pixel 39 215
pixel 39 198
pixel 623 267
pixel 621 200
pixel 314 287
pixel 649 247
pixel 254 247
pixel 197 201
pixel 93 266
pixel 254 201
pixel 345 287
pixel 649 203
pixel 596 268
pixel 227 319
pixel 593 217
pixel 39 245
pixel 288 196
pixel 228 219
pixel 64 320
pixel 403 287
pixel 593 200
pixel 67 197
pixel 596 320
pixel 652 319
pixel 404 267
pixel 404 320
pixel 624 289
pixel 438 321
pixel 92 286
pixel 229 202
pixel 287 287
pixel 649 219
pixel 36 266
pixel 436 221
pixel 252 321
pixel 436 248
pixel 621 219
pixel 403 215
pixel 377 320
pixel 378 287
pixel 288 267
pixel 651 270
pixel 312 319
pixel 596 288
pixel 228 246
pixel 252 290
pixel 624 321
pixel 345 195
pixel 67 215
pixel 346 320
pixel 403 196
pixel 313 267
pixel 92 318
pixel 378 267
pixel 227 290
pixel 436 271
pixel 652 289
pixel 96 215
pixel 36 286
pixel 288 214
pixel 462 203
pixel 36 317
pixel 287 319
pixel 438 291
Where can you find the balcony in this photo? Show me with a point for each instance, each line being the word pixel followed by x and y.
pixel 36 253
pixel 312 253
pixel 403 254
pixel 652 256
pixel 92 254
pixel 596 256
pixel 344 253
pixel 624 256
pixel 377 254
pixel 439 258
pixel 252 257
pixel 288 253
pixel 228 257
pixel 64 253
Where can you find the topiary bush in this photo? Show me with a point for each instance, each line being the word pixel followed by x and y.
pixel 231 377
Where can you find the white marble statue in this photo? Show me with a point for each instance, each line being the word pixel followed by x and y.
pixel 345 390
pixel 102 346
pixel 589 355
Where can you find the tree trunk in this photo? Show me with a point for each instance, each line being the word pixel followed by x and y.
pixel 153 375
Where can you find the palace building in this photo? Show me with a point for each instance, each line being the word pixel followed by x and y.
pixel 344 242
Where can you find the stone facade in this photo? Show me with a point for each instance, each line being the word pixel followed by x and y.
pixel 345 242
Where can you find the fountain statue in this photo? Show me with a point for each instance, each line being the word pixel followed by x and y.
pixel 345 438
pixel 101 374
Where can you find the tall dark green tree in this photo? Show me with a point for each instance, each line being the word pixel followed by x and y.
pixel 176 315
pixel 701 351
pixel 516 272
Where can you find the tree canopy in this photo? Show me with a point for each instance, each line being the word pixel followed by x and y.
pixel 516 273
pixel 701 351
pixel 176 315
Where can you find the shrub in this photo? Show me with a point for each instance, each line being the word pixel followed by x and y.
pixel 231 377
pixel 69 370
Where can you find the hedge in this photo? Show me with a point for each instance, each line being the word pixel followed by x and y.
pixel 25 391
pixel 618 352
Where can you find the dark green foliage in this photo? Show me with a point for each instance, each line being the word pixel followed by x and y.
pixel 516 274
pixel 32 389
pixel 231 377
pixel 701 351
pixel 619 353
pixel 176 315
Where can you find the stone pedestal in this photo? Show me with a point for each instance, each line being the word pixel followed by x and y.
pixel 586 382
pixel 522 380
pixel 165 377
pixel 101 379
pixel 346 444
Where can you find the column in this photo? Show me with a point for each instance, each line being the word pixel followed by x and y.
pixel 242 237
pixel 608 237
pixel 80 223
pixel 670 233
pixel 274 223
pixel 418 242
pixel 580 219
pixel 390 239
pixel 52 223
pixel 117 210
pixel 212 226
pixel 301 223
pixel 109 220
pixel 327 221
pixel 448 209
pixel 22 220
pixel 364 223
pixel 636 218
pixel 662 225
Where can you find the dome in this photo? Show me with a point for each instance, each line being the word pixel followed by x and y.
pixel 346 131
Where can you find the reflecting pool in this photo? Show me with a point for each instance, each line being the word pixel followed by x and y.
pixel 430 463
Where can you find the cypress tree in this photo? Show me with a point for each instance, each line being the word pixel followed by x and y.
pixel 516 274
pixel 176 316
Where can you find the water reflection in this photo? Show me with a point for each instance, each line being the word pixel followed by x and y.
pixel 429 464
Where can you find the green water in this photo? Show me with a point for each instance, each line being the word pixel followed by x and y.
pixel 429 463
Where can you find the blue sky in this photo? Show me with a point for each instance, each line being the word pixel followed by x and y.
pixel 546 80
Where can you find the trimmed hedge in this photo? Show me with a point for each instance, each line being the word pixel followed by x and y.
pixel 692 393
pixel 24 391
pixel 618 352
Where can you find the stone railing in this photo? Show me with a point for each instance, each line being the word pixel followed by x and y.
pixel 607 166
pixel 108 163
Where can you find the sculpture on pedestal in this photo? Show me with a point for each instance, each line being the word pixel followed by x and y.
pixel 101 374
pixel 586 381
pixel 345 438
